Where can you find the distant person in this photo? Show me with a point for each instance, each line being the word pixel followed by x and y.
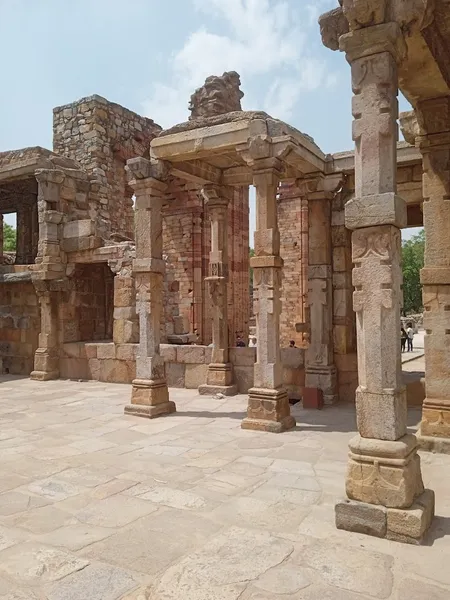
pixel 292 344
pixel 252 343
pixel 240 342
pixel 403 338
pixel 410 334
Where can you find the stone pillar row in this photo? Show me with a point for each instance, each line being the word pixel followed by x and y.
pixel 384 481
pixel 220 375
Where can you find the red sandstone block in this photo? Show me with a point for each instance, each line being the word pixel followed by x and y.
pixel 312 398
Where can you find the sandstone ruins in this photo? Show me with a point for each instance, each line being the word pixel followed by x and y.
pixel 101 289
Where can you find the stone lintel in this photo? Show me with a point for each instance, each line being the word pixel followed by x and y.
pixel 386 37
pixel 262 166
pixel 268 410
pixel 408 525
pixel 197 171
pixel 376 210
pixel 148 265
pixel 275 262
pixel 54 176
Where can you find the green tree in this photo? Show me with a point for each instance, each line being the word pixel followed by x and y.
pixel 413 252
pixel 9 238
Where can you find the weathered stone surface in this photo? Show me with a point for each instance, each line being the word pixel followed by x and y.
pixel 115 511
pixel 288 579
pixel 347 572
pixel 361 518
pixel 16 502
pixel 217 96
pixel 222 568
pixel 419 590
pixel 33 563
pixel 96 582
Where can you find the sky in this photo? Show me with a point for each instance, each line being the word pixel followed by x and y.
pixel 150 55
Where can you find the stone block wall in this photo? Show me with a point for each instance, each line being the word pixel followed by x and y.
pixel 101 136
pixel 186 247
pixel 19 325
pixel 86 308
pixel 293 226
pixel 186 366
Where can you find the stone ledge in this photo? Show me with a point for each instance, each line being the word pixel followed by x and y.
pixel 437 445
pixel 407 525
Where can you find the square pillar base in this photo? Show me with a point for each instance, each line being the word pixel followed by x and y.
pixel 44 375
pixel 408 525
pixel 219 380
pixel 150 399
pixel 435 418
pixel 384 472
pixel 438 445
pixel 268 410
pixel 325 379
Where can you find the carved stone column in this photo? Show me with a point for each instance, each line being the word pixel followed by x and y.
pixel 1 238
pixel 319 360
pixel 220 373
pixel 150 396
pixel 49 274
pixel 268 404
pixel 384 476
pixel 24 250
pixel 434 119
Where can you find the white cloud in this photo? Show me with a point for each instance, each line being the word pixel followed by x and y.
pixel 256 38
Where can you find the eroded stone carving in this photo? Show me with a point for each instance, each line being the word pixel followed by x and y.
pixel 219 95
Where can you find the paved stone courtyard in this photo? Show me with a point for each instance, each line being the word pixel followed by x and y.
pixel 100 506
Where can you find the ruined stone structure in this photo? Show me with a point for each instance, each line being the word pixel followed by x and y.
pixel 97 288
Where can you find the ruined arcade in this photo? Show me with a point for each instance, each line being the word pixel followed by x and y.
pixel 132 262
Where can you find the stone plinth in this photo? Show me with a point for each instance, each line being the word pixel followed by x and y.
pixel 150 399
pixel 268 410
pixel 219 380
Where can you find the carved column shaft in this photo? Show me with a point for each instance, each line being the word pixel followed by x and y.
pixel 434 116
pixel 320 369
pixel 220 375
pixel 268 407
pixel 384 467
pixel 150 396
pixel 50 269
pixel 1 238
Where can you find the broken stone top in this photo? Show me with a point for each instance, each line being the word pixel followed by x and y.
pixel 218 96
pixel 25 161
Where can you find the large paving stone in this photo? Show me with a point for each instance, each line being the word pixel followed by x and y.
pixel 223 567
pixel 352 569
pixel 16 502
pixel 154 542
pixel 325 592
pixel 411 589
pixel 77 536
pixel 41 520
pixel 284 579
pixel 115 511
pixel 174 498
pixel 88 476
pixel 54 489
pixel 34 563
pixel 95 582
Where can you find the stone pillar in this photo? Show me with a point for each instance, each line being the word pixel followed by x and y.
pixel 49 276
pixel 268 404
pixel 150 396
pixel 319 361
pixel 220 374
pixel 434 119
pixel 23 253
pixel 384 482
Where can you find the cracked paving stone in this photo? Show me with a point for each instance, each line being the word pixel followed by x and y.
pixel 222 569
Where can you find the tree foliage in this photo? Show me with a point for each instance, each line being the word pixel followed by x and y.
pixel 9 238
pixel 413 252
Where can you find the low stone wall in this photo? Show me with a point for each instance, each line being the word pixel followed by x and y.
pixel 19 324
pixel 186 366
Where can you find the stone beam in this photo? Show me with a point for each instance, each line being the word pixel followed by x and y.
pixel 196 171
pixel 237 176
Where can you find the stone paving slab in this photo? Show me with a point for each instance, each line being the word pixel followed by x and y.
pixel 95 504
